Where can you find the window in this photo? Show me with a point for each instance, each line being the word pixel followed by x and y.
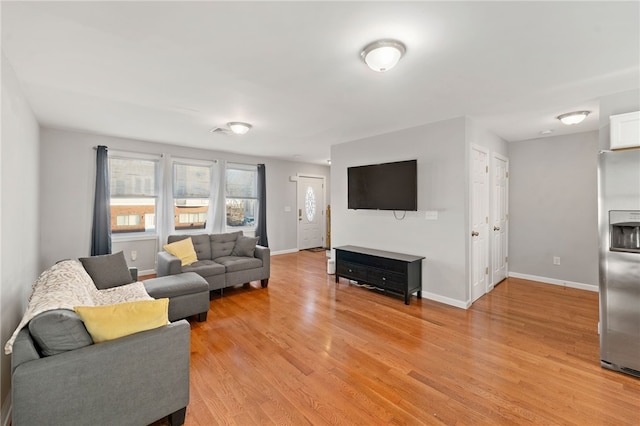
pixel 241 195
pixel 192 217
pixel 133 193
pixel 128 220
pixel 191 192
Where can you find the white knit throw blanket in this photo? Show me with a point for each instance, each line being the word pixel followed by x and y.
pixel 67 284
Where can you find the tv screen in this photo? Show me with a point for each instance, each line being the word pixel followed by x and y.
pixel 388 186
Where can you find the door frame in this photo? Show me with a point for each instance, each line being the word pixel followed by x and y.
pixel 323 210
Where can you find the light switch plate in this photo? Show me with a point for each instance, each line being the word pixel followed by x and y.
pixel 431 215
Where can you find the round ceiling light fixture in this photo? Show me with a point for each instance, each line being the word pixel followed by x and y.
pixel 573 117
pixel 382 55
pixel 238 127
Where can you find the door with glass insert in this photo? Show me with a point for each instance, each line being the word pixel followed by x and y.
pixel 310 212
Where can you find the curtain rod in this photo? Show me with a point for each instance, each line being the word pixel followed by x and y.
pixel 186 158
pixel 162 155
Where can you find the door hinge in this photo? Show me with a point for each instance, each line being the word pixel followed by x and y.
pixel 486 270
pixel 506 259
pixel 507 175
pixel 486 169
pixel 486 219
pixel 507 216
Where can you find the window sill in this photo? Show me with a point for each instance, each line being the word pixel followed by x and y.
pixel 133 237
pixel 245 229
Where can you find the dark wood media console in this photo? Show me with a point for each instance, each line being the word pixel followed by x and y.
pixel 386 270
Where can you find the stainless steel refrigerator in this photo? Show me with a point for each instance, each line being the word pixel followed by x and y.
pixel 619 223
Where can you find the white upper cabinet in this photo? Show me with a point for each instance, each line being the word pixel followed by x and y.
pixel 625 130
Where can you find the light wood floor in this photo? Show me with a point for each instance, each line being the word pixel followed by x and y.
pixel 309 351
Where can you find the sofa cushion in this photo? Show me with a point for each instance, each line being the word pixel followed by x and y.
pixel 235 263
pixel 223 244
pixel 58 331
pixel 110 322
pixel 245 246
pixel 201 244
pixel 183 250
pixel 205 268
pixel 176 285
pixel 109 270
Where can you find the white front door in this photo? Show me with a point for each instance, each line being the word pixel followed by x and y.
pixel 500 216
pixel 310 212
pixel 479 222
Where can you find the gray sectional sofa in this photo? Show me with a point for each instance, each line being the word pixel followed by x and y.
pixel 133 380
pixel 60 377
pixel 224 260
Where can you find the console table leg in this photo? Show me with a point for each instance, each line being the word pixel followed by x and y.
pixel 419 294
pixel 407 298
pixel 337 279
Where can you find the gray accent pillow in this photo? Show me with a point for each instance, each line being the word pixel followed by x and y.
pixel 109 270
pixel 57 331
pixel 245 246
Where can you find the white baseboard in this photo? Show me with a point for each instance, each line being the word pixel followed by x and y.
pixel 446 300
pixel 6 410
pixel 555 281
pixel 275 253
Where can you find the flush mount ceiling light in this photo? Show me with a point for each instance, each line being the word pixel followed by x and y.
pixel 382 55
pixel 573 117
pixel 235 127
pixel 238 127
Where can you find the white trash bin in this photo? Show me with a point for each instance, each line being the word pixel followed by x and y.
pixel 331 267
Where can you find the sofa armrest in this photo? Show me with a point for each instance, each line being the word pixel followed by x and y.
pixel 264 254
pixel 168 264
pixel 24 349
pixel 136 379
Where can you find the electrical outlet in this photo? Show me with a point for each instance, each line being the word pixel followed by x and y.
pixel 556 260
pixel 134 255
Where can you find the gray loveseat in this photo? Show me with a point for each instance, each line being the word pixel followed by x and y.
pixel 60 377
pixel 224 260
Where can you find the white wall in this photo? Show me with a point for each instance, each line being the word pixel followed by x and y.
pixel 19 190
pixel 554 201
pixel 480 136
pixel 68 178
pixel 442 151
pixel 554 209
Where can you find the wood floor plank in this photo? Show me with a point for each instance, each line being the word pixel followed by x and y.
pixel 307 350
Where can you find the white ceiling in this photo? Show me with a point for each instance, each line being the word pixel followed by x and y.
pixel 170 71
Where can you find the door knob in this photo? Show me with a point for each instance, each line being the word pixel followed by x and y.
pixel 474 233
pixel 496 228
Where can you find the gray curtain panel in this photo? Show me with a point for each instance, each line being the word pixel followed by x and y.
pixel 101 232
pixel 261 228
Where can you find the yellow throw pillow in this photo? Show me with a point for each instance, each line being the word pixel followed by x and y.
pixel 112 321
pixel 183 250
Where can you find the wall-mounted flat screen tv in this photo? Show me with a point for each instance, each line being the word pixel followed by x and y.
pixel 387 186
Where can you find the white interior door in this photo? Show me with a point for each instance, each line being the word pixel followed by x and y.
pixel 310 212
pixel 479 222
pixel 500 217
